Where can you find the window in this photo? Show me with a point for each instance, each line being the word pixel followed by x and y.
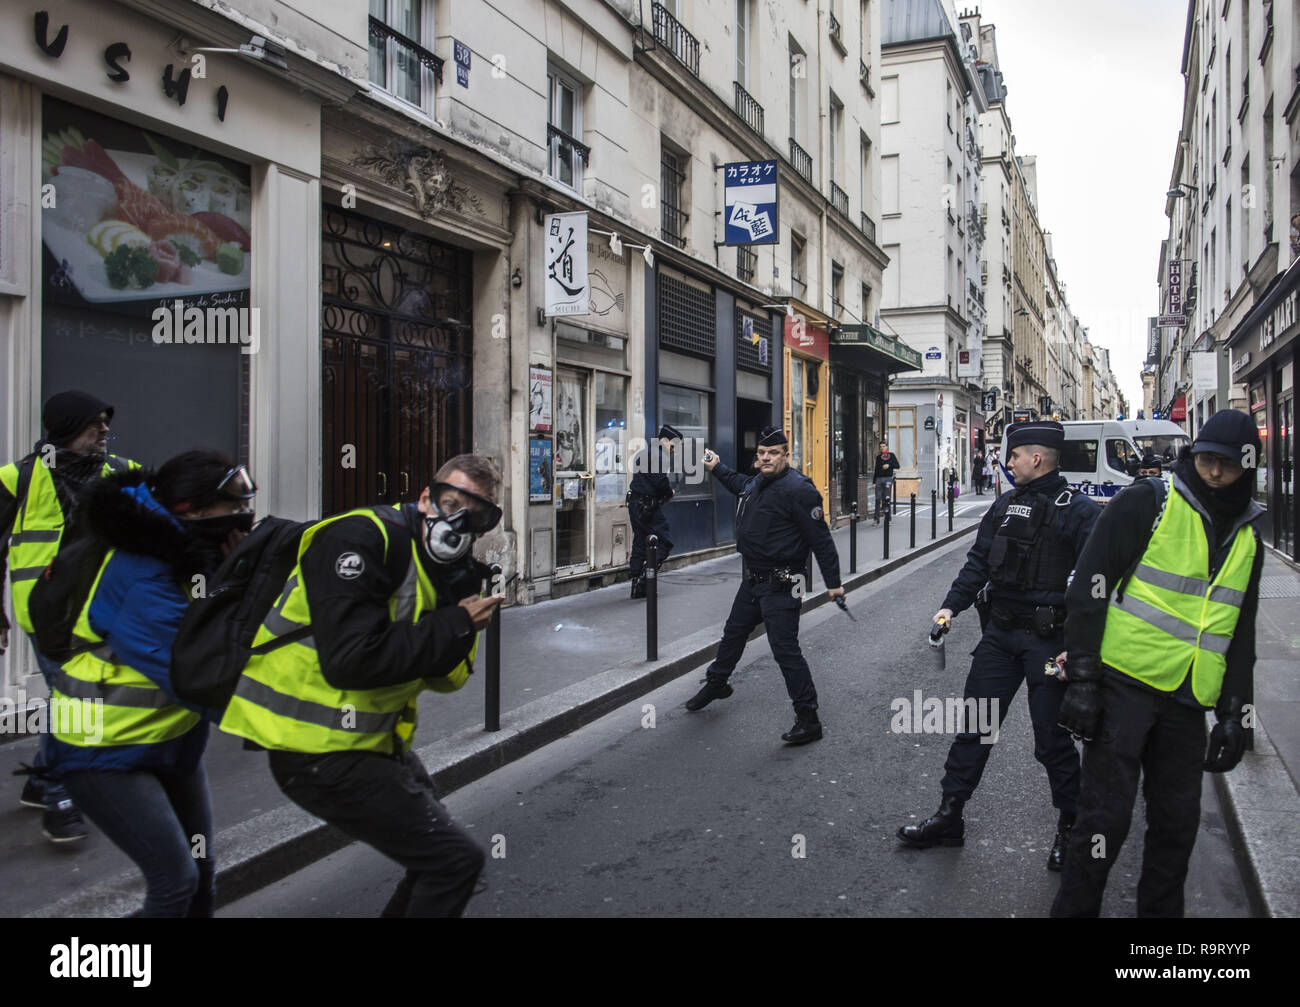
pixel 865 23
pixel 837 289
pixel 688 410
pixel 402 66
pixel 1078 456
pixel 902 434
pixel 797 282
pixel 742 43
pixel 672 175
pixel 947 104
pixel 565 120
pixel 1120 455
pixel 836 118
pixel 798 72
pixel 864 178
pixel 746 263
pixel 889 178
pixel 866 303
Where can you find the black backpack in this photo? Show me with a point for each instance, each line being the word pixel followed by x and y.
pixel 59 594
pixel 215 639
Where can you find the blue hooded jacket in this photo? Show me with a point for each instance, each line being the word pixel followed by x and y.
pixel 137 608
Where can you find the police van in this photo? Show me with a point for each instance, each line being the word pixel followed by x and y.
pixel 1100 457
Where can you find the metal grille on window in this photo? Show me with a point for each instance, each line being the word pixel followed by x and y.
pixel 747 350
pixel 672 219
pixel 746 263
pixel 685 317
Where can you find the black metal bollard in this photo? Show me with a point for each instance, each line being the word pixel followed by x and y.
pixel 853 537
pixel 652 598
pixel 950 498
pixel 934 515
pixel 887 522
pixel 893 488
pixel 912 537
pixel 492 665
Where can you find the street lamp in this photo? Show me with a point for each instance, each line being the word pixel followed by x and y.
pixel 1177 191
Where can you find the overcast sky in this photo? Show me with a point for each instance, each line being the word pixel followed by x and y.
pixel 1094 90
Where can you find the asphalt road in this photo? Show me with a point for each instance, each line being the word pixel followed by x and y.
pixel 700 815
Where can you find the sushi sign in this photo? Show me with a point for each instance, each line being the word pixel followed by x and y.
pixel 117 54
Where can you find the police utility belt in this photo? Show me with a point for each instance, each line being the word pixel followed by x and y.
pixel 780 577
pixel 1045 620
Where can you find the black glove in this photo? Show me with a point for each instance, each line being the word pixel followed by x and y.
pixel 1227 739
pixel 1080 712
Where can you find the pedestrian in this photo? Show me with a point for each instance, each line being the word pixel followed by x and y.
pixel 778 520
pixel 391 594
pixel 38 513
pixel 127 750
pixel 1150 466
pixel 992 472
pixel 886 465
pixel 977 471
pixel 649 491
pixel 1171 636
pixel 1026 546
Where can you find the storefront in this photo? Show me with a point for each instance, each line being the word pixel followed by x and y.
pixel 1265 354
pixel 861 360
pixel 158 245
pixel 807 399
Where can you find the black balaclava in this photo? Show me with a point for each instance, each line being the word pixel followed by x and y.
pixel 1224 505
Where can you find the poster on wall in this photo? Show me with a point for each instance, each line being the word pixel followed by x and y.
pixel 541 483
pixel 570 439
pixel 539 398
pixel 145 282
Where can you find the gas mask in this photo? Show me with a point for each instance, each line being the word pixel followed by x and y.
pixel 448 537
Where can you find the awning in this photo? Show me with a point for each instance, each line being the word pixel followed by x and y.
pixel 888 354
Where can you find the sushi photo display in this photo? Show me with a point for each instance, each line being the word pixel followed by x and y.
pixel 135 215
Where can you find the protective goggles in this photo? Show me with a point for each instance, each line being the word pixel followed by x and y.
pixel 237 484
pixel 481 513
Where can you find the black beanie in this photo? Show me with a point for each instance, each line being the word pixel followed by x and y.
pixel 1227 433
pixel 66 414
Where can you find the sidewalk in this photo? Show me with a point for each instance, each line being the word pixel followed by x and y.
pixel 563 664
pixel 1262 795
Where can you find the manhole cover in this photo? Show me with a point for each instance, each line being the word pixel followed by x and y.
pixel 1279 587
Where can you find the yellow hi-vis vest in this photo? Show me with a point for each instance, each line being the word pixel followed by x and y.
pixel 1173 617
pixel 282 700
pixel 132 709
pixel 38 528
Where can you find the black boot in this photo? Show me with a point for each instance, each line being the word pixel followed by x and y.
pixel 638 587
pixel 945 827
pixel 806 728
pixel 1056 859
pixel 712 690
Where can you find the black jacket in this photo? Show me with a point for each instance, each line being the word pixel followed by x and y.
pixel 652 484
pixel 886 467
pixel 1118 542
pixel 1076 524
pixel 778 520
pixel 358 645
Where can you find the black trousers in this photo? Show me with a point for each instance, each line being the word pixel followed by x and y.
pixel 1003 659
pixel 779 611
pixel 391 804
pixel 644 524
pixel 1162 740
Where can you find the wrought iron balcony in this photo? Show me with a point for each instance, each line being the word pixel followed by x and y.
pixel 381 32
pixel 750 111
pixel 672 225
pixel 567 143
pixel 839 200
pixel 868 228
pixel 801 160
pixel 864 76
pixel 670 34
pixel 835 27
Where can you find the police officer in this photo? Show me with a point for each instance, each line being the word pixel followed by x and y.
pixel 1171 635
pixel 649 491
pixel 1149 466
pixel 1026 547
pixel 778 519
pixel 39 494
pixel 391 598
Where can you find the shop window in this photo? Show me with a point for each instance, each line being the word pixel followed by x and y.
pixel 400 62
pixel 566 154
pixel 687 409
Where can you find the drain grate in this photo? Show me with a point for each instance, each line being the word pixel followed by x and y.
pixel 1279 587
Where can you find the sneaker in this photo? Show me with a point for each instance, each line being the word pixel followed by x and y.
pixel 64 824
pixel 33 795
